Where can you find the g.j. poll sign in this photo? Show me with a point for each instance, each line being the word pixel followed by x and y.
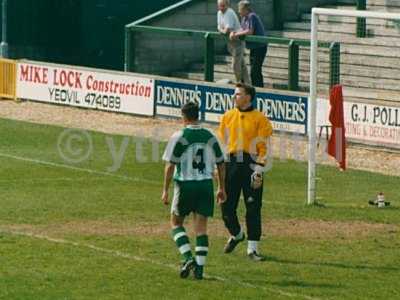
pixel 288 112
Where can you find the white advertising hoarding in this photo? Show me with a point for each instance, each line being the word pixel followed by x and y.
pixel 366 123
pixel 287 111
pixel 85 88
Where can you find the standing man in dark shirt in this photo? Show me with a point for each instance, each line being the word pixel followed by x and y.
pixel 252 25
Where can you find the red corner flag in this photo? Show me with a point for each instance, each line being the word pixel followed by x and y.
pixel 337 141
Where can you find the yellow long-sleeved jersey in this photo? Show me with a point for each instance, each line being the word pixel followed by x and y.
pixel 245 131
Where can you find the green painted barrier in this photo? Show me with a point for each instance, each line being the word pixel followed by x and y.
pixel 209 54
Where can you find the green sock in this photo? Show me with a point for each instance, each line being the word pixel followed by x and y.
pixel 182 242
pixel 201 249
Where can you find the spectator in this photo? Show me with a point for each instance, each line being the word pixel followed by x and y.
pixel 251 25
pixel 228 22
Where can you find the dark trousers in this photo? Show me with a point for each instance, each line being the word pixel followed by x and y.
pixel 238 179
pixel 257 57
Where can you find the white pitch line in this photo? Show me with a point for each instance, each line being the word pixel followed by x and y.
pixel 49 179
pixel 80 245
pixel 57 165
pixel 151 261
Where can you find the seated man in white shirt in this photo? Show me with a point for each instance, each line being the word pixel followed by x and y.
pixel 228 22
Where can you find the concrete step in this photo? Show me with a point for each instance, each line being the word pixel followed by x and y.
pixel 350 93
pixel 276 63
pixel 363 56
pixel 374 44
pixel 382 8
pixel 268 81
pixel 370 6
pixel 345 79
pixel 372 96
pixel 200 76
pixel 367 81
pixel 382 52
pixel 349 20
pixel 346 28
pixel 384 2
pixel 377 72
pixel 283 51
pixel 364 62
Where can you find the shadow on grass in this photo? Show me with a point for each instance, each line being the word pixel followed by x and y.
pixel 335 265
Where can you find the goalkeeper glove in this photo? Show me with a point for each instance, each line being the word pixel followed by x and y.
pixel 256 177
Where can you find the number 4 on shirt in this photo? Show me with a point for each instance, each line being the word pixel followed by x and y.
pixel 198 161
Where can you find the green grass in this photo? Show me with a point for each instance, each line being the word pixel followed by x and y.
pixel 89 235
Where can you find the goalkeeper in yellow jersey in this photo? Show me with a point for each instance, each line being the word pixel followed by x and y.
pixel 245 131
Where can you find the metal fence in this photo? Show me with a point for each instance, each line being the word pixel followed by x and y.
pixel 209 39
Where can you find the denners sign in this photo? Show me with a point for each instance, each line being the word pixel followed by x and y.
pixel 85 88
pixel 170 97
pixel 287 112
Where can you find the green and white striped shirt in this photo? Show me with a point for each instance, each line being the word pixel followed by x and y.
pixel 195 151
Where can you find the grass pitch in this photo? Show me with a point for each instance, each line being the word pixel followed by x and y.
pixel 81 231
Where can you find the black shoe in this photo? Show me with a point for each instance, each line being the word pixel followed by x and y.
pixel 232 243
pixel 187 266
pixel 198 272
pixel 254 256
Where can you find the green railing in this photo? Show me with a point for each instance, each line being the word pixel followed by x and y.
pixel 361 29
pixel 209 53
